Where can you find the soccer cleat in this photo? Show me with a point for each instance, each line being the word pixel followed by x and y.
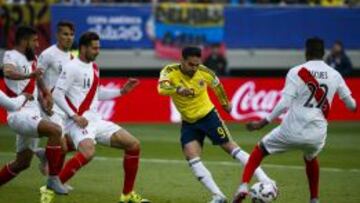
pixel 46 195
pixel 314 200
pixel 132 197
pixel 241 193
pixel 69 187
pixel 55 185
pixel 218 199
pixel 43 165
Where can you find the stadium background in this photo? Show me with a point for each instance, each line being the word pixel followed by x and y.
pixel 260 41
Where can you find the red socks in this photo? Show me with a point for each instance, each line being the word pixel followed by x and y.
pixel 130 165
pixel 72 166
pixel 254 161
pixel 6 174
pixel 54 156
pixel 312 172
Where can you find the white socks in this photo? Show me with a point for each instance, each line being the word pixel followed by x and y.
pixel 243 157
pixel 204 176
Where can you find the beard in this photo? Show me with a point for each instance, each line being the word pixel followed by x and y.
pixel 30 54
pixel 91 58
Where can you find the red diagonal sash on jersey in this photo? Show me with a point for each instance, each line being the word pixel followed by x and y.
pixel 85 104
pixel 306 76
pixel 29 88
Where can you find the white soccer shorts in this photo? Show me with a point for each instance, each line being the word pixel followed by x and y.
pixel 277 141
pixel 99 131
pixel 25 124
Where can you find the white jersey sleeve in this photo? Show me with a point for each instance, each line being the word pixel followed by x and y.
pixel 107 93
pixel 345 94
pixel 43 61
pixel 291 84
pixel 63 84
pixel 9 59
pixel 288 94
pixel 11 104
pixel 343 90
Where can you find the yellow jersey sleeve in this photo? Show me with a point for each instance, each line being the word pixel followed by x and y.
pixel 213 81
pixel 166 84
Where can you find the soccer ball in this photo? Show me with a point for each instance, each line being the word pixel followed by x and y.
pixel 263 192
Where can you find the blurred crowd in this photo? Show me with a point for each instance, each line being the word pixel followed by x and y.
pixel 328 3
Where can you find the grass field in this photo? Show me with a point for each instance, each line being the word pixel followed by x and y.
pixel 165 178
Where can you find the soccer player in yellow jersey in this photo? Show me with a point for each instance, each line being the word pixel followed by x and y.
pixel 186 83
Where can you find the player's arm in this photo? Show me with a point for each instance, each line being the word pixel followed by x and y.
pixel 45 96
pixel 165 85
pixel 222 97
pixel 12 104
pixel 63 84
pixel 11 73
pixel 219 90
pixel 345 95
pixel 107 93
pixel 289 93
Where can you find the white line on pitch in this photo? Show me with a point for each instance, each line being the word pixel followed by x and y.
pixel 216 163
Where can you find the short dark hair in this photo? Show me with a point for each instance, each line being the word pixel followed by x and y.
pixel 191 51
pixel 87 37
pixel 338 42
pixel 314 48
pixel 65 23
pixel 24 33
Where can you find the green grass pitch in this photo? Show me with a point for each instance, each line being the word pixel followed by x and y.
pixel 164 176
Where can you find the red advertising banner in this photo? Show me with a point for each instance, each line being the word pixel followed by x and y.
pixel 252 98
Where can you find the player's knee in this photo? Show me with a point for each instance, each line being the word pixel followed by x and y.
pixel 87 148
pixel 55 131
pixel 134 145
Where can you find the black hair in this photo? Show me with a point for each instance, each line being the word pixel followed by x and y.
pixel 338 42
pixel 314 48
pixel 191 51
pixel 87 37
pixel 64 23
pixel 24 33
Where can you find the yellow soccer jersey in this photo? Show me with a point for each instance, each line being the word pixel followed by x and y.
pixel 198 105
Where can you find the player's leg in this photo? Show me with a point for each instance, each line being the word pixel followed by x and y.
pixel 313 170
pixel 219 134
pixel 12 169
pixel 84 142
pixel 273 142
pixel 110 134
pixel 192 139
pixel 66 144
pixel 54 154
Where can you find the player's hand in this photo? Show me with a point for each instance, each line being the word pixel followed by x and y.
pixel 36 74
pixel 227 107
pixel 129 85
pixel 183 91
pixel 81 121
pixel 256 125
pixel 28 97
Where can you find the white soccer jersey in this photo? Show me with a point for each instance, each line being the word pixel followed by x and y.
pixel 52 60
pixel 21 64
pixel 305 110
pixel 76 81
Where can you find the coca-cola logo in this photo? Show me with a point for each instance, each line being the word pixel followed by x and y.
pixel 249 103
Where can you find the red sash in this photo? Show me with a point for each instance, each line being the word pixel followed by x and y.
pixel 30 87
pixel 85 104
pixel 306 76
